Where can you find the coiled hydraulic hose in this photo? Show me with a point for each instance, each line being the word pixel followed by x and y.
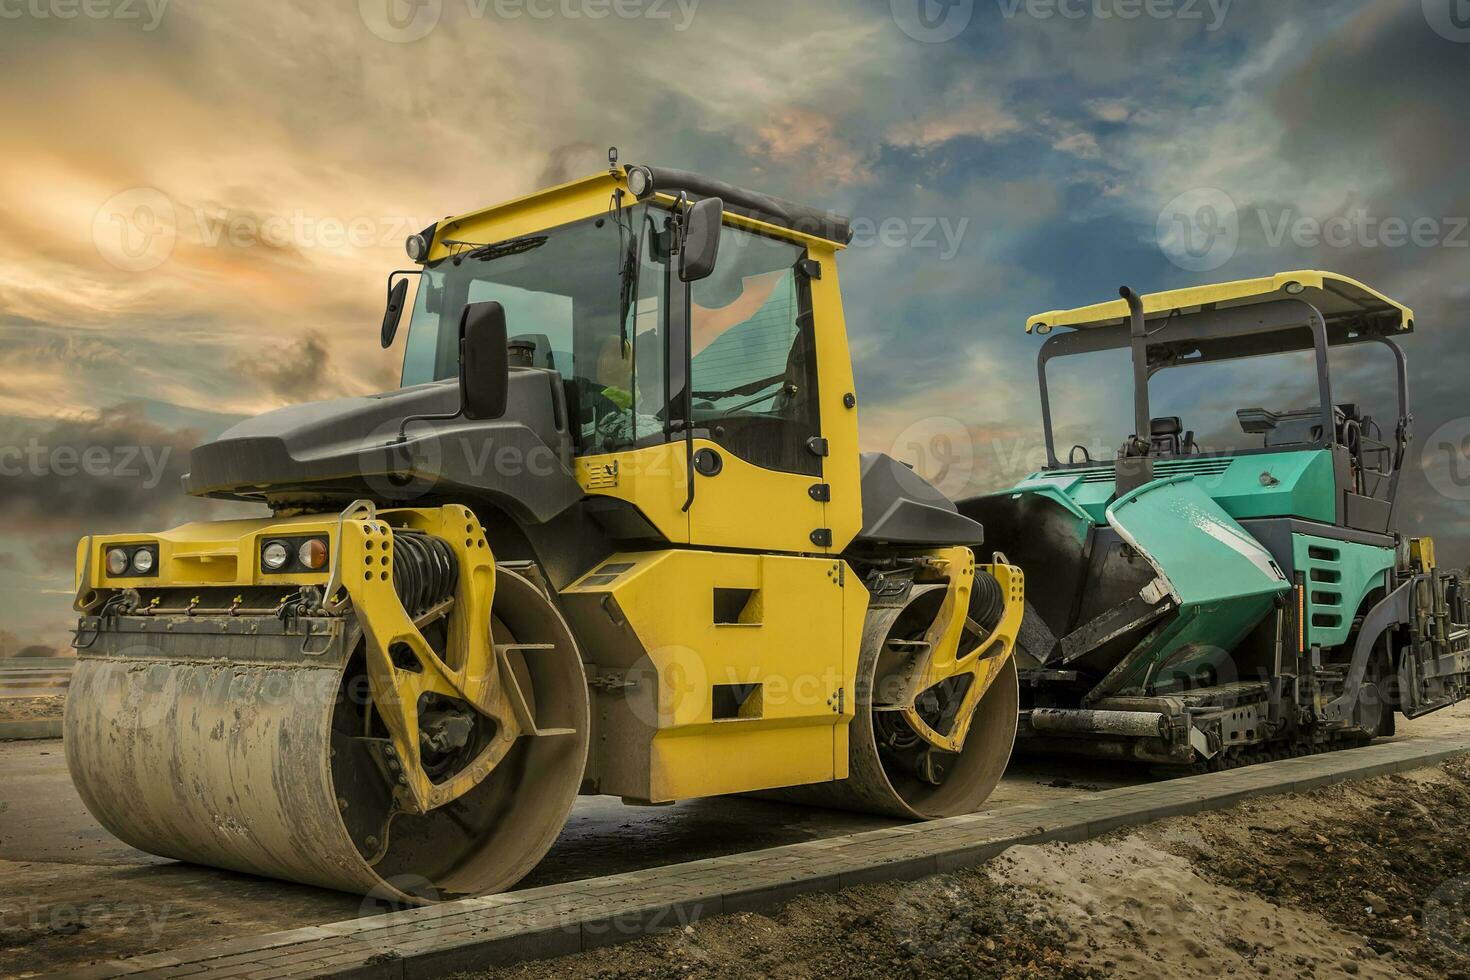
pixel 425 571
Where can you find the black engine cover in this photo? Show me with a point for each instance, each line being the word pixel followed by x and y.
pixel 347 449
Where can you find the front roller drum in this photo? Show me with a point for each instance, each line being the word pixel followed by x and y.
pixel 229 748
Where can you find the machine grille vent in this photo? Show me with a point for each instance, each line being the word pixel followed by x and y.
pixel 1169 467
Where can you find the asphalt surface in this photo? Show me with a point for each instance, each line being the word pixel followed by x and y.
pixel 22 677
pixel 74 894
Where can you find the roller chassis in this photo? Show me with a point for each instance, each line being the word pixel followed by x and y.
pixel 552 577
pixel 283 677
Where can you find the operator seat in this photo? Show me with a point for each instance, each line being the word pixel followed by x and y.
pixel 1163 435
pixel 1166 437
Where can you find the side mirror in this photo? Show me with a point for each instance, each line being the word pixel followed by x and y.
pixel 484 362
pixel 701 246
pixel 394 314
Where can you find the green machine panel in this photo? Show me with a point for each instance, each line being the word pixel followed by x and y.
pixel 1291 484
pixel 1221 578
pixel 1337 576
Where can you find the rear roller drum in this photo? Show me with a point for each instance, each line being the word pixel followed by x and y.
pixel 891 769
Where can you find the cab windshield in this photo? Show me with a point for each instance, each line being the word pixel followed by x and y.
pixel 591 300
pixel 567 308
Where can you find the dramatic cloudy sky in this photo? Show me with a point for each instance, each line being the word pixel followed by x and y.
pixel 199 202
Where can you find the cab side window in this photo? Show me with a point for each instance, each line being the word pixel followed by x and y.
pixel 754 360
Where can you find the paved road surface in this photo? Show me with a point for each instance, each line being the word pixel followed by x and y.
pixel 73 893
pixel 34 676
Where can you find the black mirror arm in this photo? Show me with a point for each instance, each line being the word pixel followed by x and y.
pixel 403 426
pixel 458 413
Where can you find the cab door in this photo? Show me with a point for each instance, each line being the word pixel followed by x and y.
pixel 759 454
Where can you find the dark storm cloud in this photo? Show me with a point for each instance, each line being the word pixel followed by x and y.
pixel 302 371
pixel 110 471
pixel 1385 92
pixel 569 161
pixel 1373 102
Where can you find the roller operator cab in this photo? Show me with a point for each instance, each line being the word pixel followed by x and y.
pixel 613 535
pixel 1232 587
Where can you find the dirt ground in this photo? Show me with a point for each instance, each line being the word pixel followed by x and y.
pixel 1369 879
pixel 32 708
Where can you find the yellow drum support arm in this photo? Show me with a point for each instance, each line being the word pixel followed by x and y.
pixel 958 646
pixel 403 667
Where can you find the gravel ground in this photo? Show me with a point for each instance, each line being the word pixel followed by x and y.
pixel 1364 880
pixel 32 708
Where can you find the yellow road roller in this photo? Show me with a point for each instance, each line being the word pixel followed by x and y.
pixel 612 535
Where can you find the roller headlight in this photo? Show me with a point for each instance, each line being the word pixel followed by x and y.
pixel 418 247
pixel 117 561
pixel 143 561
pixel 274 556
pixel 313 554
pixel 640 181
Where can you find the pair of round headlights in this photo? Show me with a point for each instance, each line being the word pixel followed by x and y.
pixel 310 554
pixel 121 562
